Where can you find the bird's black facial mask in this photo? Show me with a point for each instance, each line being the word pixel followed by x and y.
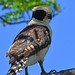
pixel 39 14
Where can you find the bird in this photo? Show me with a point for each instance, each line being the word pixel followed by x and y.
pixel 32 44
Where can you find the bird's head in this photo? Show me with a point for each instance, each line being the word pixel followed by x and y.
pixel 42 14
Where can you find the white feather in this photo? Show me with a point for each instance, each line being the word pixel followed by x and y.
pixel 37 57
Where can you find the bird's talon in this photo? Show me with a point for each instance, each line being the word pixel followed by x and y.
pixel 52 71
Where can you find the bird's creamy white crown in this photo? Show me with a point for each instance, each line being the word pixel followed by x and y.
pixel 45 8
pixel 45 21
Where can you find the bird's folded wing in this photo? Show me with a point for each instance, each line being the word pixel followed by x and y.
pixel 29 42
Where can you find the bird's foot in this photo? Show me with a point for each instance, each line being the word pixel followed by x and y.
pixel 50 73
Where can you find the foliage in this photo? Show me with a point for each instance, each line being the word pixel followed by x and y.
pixel 18 8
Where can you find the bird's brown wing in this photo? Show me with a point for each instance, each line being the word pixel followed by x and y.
pixel 29 41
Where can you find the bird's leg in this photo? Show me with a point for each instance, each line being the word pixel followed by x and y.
pixel 26 72
pixel 43 71
pixel 41 65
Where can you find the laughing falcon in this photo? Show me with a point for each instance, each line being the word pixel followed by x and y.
pixel 32 43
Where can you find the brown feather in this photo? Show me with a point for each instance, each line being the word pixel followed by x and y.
pixel 29 41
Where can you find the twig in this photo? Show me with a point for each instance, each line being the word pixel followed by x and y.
pixel 14 22
pixel 28 15
pixel 57 12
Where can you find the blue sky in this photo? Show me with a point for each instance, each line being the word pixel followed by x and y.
pixel 61 54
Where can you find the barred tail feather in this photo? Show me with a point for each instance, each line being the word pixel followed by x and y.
pixel 17 67
pixel 11 72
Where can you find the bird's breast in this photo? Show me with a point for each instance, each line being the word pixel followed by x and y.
pixel 37 57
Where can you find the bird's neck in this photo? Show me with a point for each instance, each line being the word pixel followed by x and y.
pixel 38 22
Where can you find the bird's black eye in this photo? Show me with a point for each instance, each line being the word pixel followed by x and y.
pixel 39 14
pixel 49 16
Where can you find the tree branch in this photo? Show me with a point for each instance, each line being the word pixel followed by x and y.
pixel 14 22
pixel 62 72
pixel 57 12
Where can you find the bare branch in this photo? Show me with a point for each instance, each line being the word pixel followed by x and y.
pixel 57 12
pixel 28 15
pixel 14 22
pixel 62 72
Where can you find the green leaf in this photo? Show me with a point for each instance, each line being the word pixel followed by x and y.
pixel 57 7
pixel 53 1
pixel 4 24
pixel 17 8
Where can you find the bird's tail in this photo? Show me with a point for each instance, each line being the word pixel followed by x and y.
pixel 17 67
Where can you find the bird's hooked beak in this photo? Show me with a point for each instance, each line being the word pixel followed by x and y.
pixel 49 16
